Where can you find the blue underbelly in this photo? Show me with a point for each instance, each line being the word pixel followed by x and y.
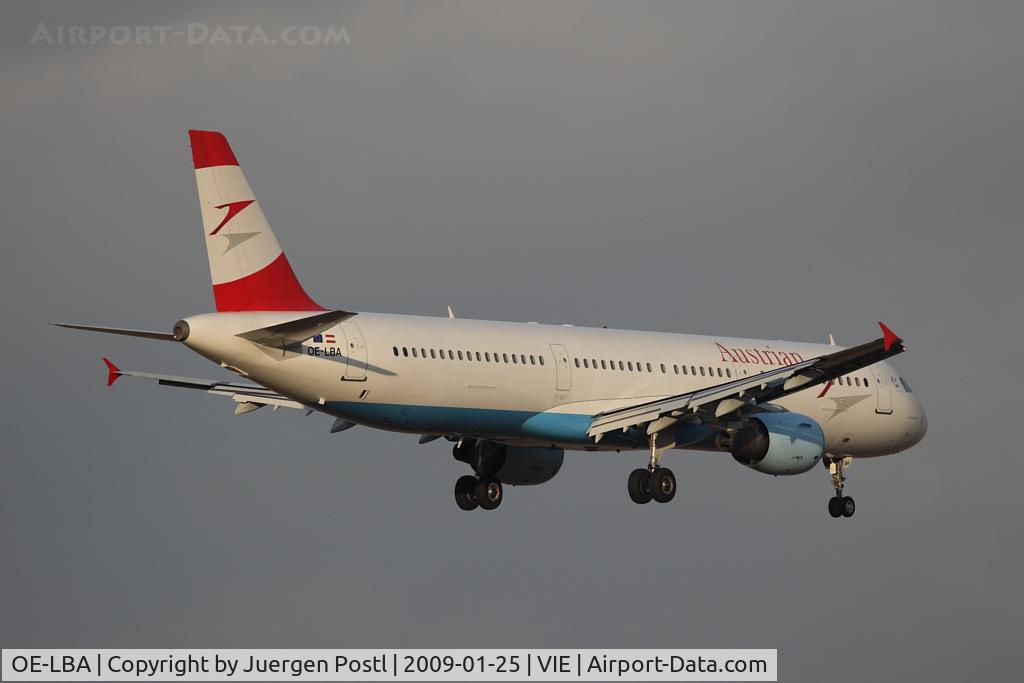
pixel 562 428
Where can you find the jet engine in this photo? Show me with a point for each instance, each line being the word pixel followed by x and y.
pixel 778 443
pixel 513 465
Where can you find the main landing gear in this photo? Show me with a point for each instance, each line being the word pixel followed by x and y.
pixel 483 492
pixel 839 505
pixel 483 489
pixel 654 483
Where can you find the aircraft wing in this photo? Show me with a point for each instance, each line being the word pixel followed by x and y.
pixel 717 403
pixel 249 397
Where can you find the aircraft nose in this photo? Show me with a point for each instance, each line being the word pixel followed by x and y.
pixel 917 420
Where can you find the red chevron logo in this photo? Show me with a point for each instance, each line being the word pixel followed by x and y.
pixel 234 208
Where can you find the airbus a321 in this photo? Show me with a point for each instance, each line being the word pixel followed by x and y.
pixel 512 398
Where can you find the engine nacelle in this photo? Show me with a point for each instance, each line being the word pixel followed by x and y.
pixel 530 466
pixel 778 443
pixel 513 465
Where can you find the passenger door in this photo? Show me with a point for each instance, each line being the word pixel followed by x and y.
pixel 355 352
pixel 883 390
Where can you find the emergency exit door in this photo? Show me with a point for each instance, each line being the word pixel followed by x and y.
pixel 563 371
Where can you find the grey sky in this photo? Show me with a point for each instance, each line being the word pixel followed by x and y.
pixel 769 169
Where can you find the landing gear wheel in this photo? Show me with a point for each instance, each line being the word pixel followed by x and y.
pixel 663 485
pixel 639 486
pixel 465 492
pixel 488 493
pixel 839 505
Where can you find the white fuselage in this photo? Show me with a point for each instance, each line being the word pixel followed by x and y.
pixel 533 384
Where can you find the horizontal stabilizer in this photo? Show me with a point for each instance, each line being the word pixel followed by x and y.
pixel 295 331
pixel 146 334
pixel 246 395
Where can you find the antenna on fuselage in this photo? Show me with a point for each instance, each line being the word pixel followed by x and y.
pixel 451 313
pixel 831 341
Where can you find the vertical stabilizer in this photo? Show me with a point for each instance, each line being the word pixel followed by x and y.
pixel 249 270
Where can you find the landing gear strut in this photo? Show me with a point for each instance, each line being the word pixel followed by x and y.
pixel 839 505
pixel 483 490
pixel 654 483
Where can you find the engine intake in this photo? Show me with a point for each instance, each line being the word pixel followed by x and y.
pixel 778 443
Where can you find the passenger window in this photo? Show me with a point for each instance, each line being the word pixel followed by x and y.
pixel 675 368
pixel 603 366
pixel 405 351
pixel 532 359
pixel 719 370
pixel 663 368
pixel 433 354
pixel 514 359
pixel 505 356
pixel 414 352
pixel 684 370
pixel 622 366
pixel 631 366
pixel 478 355
pixel 702 371
pixel 423 352
pixel 693 371
pixel 577 362
pixel 396 350
pixel 728 372
pixel 650 368
pixel 540 359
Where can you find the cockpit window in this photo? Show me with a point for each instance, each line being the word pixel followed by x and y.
pixel 906 386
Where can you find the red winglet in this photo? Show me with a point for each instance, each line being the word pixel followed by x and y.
pixel 113 372
pixel 889 337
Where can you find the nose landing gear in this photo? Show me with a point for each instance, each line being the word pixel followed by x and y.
pixel 839 505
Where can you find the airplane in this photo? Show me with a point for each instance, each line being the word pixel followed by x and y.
pixel 513 397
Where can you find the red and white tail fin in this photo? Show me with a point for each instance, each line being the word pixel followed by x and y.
pixel 248 268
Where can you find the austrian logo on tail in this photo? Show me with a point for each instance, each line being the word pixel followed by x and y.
pixel 234 208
